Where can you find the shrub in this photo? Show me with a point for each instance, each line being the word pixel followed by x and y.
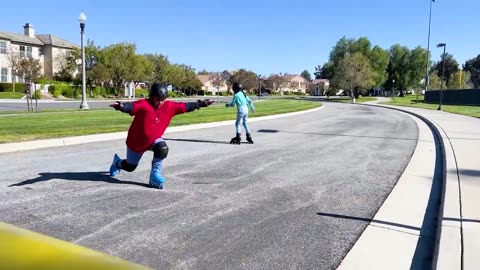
pixel 55 91
pixel 99 91
pixel 143 93
pixel 8 87
pixel 37 95
pixel 68 91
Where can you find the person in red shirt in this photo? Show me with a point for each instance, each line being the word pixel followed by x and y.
pixel 151 118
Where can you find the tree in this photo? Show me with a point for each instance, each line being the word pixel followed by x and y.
pixel 352 46
pixel 159 65
pixel 174 75
pixel 318 72
pixel 379 59
pixel 65 63
pixel 13 58
pixel 459 80
pixel 140 70
pixel 451 66
pixel 399 68
pixel 29 68
pixel 326 71
pixel 417 59
pixel 203 72
pixel 217 80
pixel 353 72
pixel 473 66
pixel 94 64
pixel 118 59
pixel 246 77
pixel 434 81
pixel 98 74
pixel 277 81
pixel 305 74
pixel 191 83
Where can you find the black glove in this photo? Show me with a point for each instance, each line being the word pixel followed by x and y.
pixel 117 106
pixel 205 103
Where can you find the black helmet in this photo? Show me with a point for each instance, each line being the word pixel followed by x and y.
pixel 159 90
pixel 237 87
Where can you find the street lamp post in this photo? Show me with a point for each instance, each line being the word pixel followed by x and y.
pixel 428 48
pixel 82 19
pixel 444 45
pixel 393 90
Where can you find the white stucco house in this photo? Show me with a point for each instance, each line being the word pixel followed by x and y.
pixel 208 85
pixel 48 48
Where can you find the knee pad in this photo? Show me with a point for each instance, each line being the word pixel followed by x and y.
pixel 160 150
pixel 127 166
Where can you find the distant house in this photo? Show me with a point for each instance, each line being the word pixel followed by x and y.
pixel 286 83
pixel 49 49
pixel 318 87
pixel 207 83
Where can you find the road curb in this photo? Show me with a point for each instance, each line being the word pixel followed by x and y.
pixel 58 142
pixel 425 254
pixel 449 245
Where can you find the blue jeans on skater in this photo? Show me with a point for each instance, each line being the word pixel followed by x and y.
pixel 134 158
pixel 242 119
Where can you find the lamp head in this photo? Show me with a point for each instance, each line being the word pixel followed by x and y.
pixel 82 18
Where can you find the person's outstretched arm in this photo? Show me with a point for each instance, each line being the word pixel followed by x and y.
pixel 250 103
pixel 126 107
pixel 232 104
pixel 183 107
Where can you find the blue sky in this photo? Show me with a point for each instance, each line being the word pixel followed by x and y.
pixel 266 36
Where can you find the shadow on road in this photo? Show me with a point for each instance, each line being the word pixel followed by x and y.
pixel 194 140
pixel 333 134
pixel 462 219
pixel 370 220
pixel 78 176
pixel 475 173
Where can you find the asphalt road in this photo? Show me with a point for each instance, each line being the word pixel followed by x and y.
pixel 297 199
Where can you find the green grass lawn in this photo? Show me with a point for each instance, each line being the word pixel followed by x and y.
pixel 45 125
pixel 11 95
pixel 410 101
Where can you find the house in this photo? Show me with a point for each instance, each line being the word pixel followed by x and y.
pixel 286 83
pixel 208 82
pixel 48 49
pixel 318 87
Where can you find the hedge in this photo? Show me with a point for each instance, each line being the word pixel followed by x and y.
pixel 8 87
pixel 68 91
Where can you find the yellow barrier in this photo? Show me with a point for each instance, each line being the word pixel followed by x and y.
pixel 23 249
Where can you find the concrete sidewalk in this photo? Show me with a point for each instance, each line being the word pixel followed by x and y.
pixel 458 234
pixel 460 218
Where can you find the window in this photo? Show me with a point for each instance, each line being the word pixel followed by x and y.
pixel 26 51
pixel 3 47
pixel 22 51
pixel 4 75
pixel 29 51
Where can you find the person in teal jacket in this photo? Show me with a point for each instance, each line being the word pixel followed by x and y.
pixel 242 101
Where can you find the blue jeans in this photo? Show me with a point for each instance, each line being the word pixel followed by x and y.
pixel 242 119
pixel 134 157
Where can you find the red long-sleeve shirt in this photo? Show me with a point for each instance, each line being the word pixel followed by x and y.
pixel 149 123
